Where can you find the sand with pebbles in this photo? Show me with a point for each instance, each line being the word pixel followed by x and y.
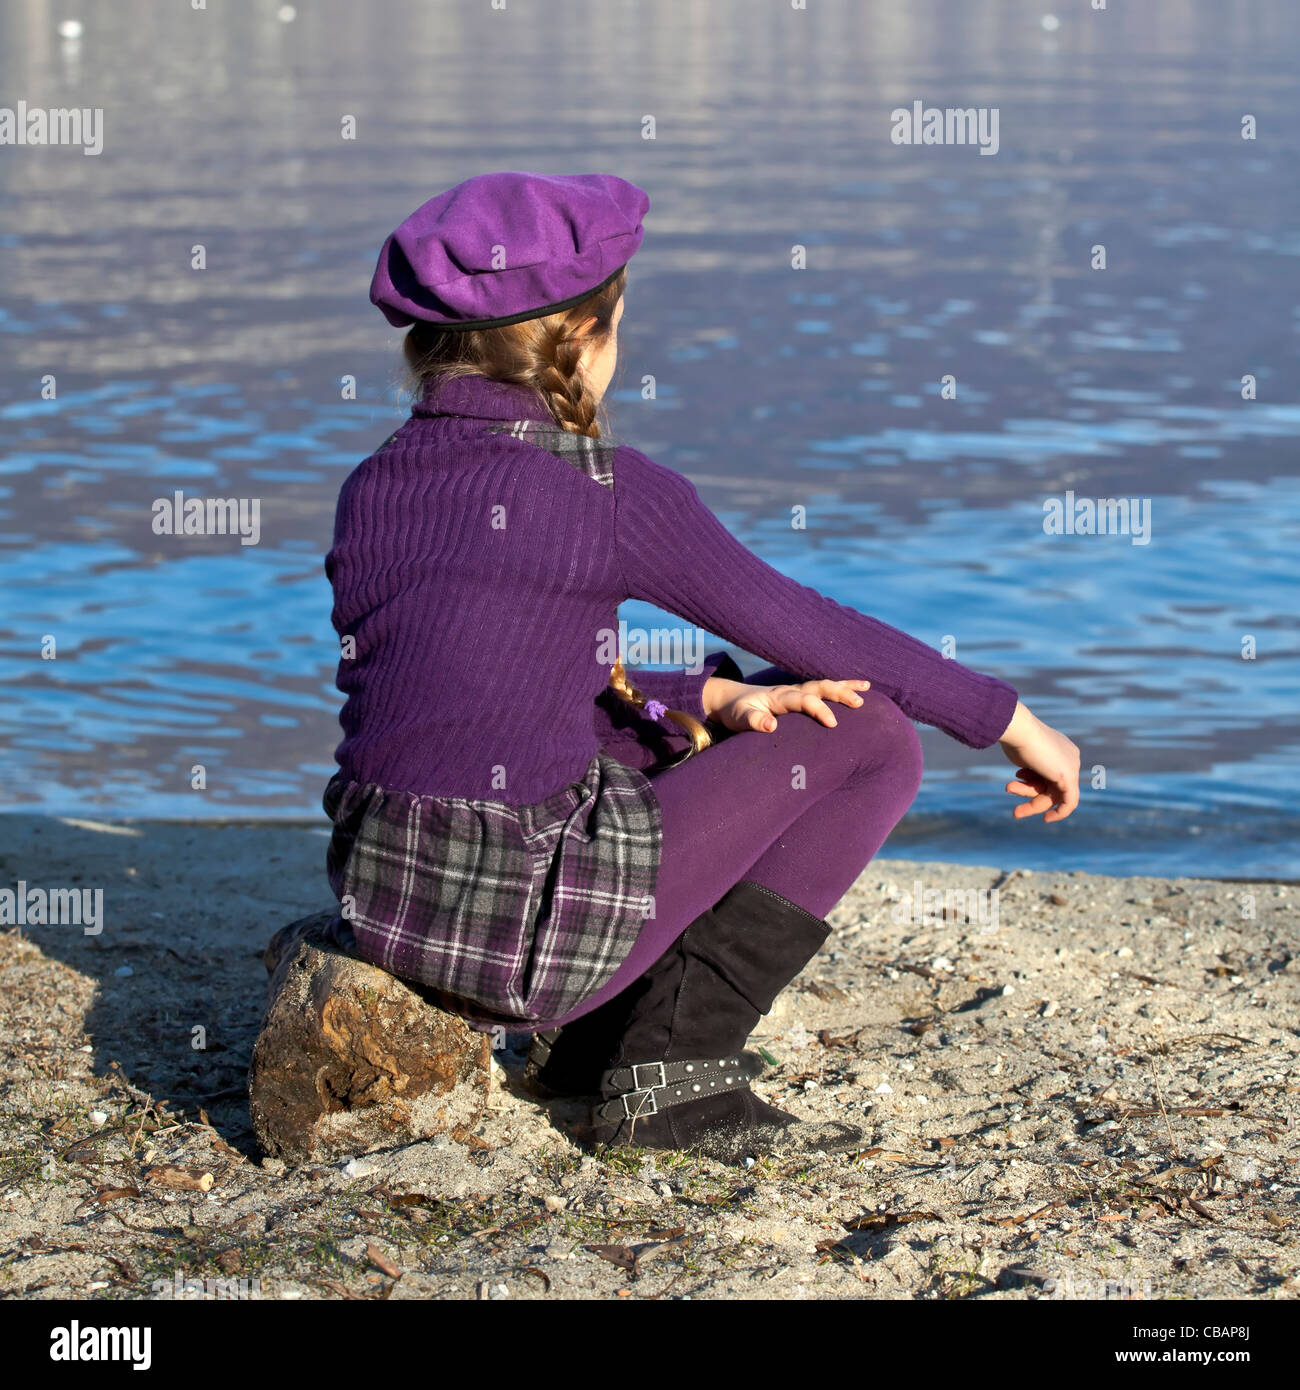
pixel 1071 1086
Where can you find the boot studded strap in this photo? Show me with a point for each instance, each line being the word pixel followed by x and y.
pixel 649 1087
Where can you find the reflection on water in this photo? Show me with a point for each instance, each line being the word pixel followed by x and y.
pixel 775 387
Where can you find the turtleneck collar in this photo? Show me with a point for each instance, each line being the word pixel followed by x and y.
pixel 481 398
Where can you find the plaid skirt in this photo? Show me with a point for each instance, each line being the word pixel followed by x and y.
pixel 509 914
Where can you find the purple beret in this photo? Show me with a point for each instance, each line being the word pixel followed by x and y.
pixel 500 248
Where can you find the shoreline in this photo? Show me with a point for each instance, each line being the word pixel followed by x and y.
pixel 317 825
pixel 1093 1090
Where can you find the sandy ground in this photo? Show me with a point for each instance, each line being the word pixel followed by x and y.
pixel 1086 1090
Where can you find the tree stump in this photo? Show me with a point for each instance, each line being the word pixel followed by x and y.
pixel 351 1059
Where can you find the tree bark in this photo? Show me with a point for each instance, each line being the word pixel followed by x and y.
pixel 351 1059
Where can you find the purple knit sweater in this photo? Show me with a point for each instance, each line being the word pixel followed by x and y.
pixel 475 573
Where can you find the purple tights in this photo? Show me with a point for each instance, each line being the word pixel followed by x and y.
pixel 801 811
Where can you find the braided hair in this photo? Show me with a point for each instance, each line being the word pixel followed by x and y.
pixel 543 354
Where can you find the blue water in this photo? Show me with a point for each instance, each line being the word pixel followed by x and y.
pixel 776 387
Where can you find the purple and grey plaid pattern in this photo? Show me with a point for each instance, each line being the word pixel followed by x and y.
pixel 594 457
pixel 519 912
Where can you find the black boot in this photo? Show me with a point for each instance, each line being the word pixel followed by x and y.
pixel 677 1077
pixel 569 1061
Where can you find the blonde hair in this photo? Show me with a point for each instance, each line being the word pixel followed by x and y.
pixel 541 353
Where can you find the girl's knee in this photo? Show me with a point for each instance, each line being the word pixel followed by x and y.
pixel 883 738
pixel 873 740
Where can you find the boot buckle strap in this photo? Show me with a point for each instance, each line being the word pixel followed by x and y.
pixel 661 1079
pixel 628 1078
pixel 540 1051
pixel 679 1084
pixel 643 1092
pixel 647 1103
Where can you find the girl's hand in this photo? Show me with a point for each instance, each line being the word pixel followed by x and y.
pixel 1047 767
pixel 740 707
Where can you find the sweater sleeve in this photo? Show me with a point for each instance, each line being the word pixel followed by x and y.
pixel 677 555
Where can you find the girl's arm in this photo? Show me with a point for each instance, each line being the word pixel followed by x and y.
pixel 676 554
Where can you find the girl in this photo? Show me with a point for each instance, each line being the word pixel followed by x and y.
pixel 632 869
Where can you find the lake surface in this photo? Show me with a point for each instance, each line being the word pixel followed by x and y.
pixel 1174 663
